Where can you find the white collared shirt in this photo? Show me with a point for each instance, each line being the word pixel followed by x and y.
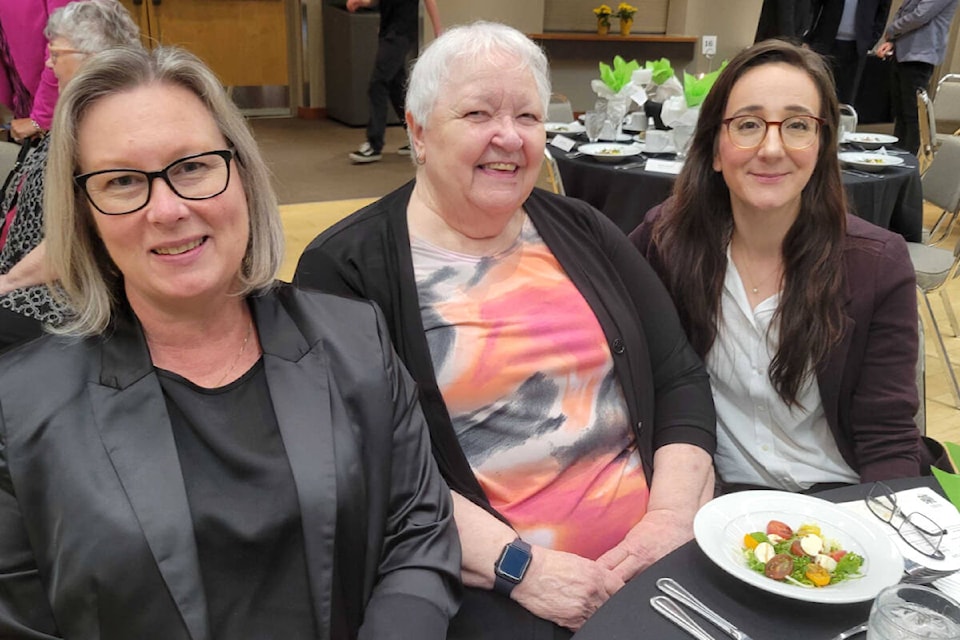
pixel 760 440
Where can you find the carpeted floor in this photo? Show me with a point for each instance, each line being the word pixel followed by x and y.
pixel 303 222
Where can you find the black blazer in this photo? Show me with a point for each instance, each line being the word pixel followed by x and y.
pixel 870 19
pixel 786 19
pixel 96 539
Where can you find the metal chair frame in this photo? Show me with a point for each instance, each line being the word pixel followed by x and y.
pixel 928 130
pixel 553 172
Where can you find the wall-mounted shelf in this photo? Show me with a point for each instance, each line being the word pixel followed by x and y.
pixel 584 36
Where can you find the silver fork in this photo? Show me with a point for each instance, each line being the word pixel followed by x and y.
pixel 672 588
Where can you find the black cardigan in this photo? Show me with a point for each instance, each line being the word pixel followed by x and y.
pixel 665 384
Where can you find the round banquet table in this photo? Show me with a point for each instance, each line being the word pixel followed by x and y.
pixel 891 198
pixel 761 615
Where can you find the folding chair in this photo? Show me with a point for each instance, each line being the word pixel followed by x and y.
pixel 941 187
pixel 934 267
pixel 559 109
pixel 946 103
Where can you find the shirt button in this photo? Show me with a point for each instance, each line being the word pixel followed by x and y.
pixel 618 347
pixel 765 448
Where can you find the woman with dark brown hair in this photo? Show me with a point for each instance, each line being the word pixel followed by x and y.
pixel 805 315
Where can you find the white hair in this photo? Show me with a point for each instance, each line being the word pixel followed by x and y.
pixel 463 46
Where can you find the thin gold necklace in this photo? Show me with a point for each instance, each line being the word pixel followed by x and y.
pixel 243 348
pixel 755 285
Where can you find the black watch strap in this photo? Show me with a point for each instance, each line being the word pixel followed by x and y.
pixel 511 566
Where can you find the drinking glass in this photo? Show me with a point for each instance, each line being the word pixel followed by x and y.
pixel 682 135
pixel 913 612
pixel 593 122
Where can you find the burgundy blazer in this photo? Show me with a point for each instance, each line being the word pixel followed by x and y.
pixel 868 381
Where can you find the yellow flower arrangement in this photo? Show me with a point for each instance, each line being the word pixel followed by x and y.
pixel 603 13
pixel 625 11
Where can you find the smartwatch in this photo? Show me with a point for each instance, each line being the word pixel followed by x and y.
pixel 511 566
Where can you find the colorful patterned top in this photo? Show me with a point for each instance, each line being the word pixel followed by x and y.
pixel 528 379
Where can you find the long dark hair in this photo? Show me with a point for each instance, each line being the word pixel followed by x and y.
pixel 693 233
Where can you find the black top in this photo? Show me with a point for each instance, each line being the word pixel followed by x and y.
pixel 400 18
pixel 244 506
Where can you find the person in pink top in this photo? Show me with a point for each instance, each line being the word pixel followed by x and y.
pixel 27 87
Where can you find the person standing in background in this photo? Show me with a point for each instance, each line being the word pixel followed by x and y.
pixel 787 19
pixel 27 87
pixel 844 31
pixel 399 31
pixel 917 40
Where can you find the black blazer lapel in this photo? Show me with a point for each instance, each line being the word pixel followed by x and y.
pixel 300 390
pixel 134 426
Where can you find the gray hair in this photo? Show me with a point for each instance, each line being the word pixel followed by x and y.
pixel 463 46
pixel 91 26
pixel 89 280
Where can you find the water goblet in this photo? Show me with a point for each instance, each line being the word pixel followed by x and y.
pixel 682 135
pixel 593 122
pixel 913 612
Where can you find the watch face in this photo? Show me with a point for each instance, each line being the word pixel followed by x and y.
pixel 513 563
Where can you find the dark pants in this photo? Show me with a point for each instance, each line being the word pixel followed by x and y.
pixel 389 80
pixel 907 78
pixel 15 328
pixel 847 65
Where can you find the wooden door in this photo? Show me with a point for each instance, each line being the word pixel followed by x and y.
pixel 243 41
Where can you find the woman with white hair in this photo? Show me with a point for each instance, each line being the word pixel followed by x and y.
pixel 204 453
pixel 74 33
pixel 567 411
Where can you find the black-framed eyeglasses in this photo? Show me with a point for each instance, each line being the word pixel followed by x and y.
pixel 917 530
pixel 116 192
pixel 796 132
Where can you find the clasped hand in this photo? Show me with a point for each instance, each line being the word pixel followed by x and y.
pixel 565 588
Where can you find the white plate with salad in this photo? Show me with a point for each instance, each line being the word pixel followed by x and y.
pixel 821 533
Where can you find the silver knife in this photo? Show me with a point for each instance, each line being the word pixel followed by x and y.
pixel 672 612
pixel 672 588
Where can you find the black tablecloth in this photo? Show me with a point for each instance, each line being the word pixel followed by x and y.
pixel 762 615
pixel 892 198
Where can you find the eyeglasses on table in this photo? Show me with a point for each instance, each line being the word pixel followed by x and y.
pixel 917 530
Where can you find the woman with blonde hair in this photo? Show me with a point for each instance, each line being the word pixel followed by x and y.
pixel 209 453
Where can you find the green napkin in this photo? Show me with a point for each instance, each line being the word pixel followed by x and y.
pixel 950 482
pixel 662 70
pixel 696 89
pixel 621 73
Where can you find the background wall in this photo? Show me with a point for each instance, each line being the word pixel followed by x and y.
pixel 734 23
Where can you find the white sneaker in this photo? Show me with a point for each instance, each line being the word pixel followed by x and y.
pixel 404 150
pixel 365 154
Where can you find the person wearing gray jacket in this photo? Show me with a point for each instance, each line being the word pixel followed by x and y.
pixel 916 39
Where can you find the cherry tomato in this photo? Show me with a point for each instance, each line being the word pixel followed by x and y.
pixel 749 542
pixel 778 528
pixel 797 549
pixel 816 574
pixel 779 566
pixel 837 555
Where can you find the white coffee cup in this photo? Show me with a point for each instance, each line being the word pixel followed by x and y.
pixel 658 141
